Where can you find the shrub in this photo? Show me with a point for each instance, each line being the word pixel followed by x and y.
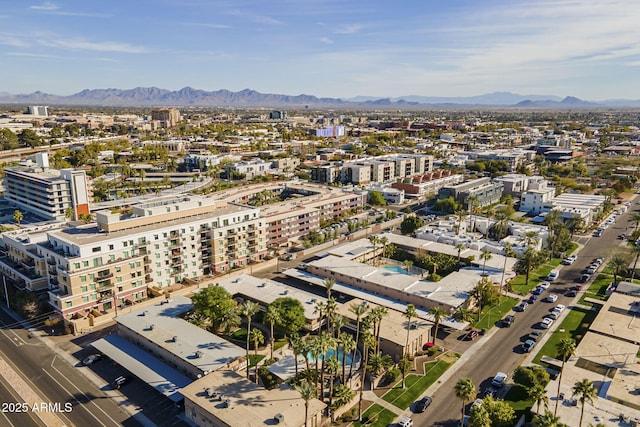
pixel 432 351
pixel 392 375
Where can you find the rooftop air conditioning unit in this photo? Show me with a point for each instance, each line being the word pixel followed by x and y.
pixel 152 327
pixel 198 354
pixel 174 338
pixel 279 418
pixel 227 403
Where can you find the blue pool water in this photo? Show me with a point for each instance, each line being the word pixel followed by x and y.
pixel 338 356
pixel 395 269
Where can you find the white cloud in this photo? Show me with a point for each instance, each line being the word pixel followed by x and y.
pixel 349 29
pixel 326 40
pixel 32 55
pixel 46 6
pixel 107 46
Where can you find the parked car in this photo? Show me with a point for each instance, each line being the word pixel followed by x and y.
pixel 553 315
pixel 508 321
pixel 499 379
pixel 423 404
pixel 570 293
pixel 553 275
pixel 538 291
pixel 532 299
pixel 551 298
pixel 584 278
pixel 91 359
pixel 559 308
pixel 405 422
pixel 546 323
pixel 591 269
pixel 528 345
pixel 535 335
pixel 523 306
pixel 576 288
pixel 472 334
pixel 120 381
pixel 544 285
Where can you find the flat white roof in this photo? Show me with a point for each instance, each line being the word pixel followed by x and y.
pixel 143 365
pixel 214 352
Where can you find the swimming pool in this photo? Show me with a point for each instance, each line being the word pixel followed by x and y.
pixel 395 269
pixel 338 356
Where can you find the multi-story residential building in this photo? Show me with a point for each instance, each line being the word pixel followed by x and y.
pixel 538 196
pixel 430 183
pixel 47 192
pixel 514 183
pixel 168 117
pixel 484 190
pixel 252 168
pixel 514 157
pixel 356 174
pixel 92 268
pixel 38 110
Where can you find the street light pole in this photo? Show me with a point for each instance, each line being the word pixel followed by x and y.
pixel 6 294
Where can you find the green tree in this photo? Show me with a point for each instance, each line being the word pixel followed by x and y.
pixel 410 224
pixel 29 138
pixel 18 217
pixel 291 312
pixel 531 376
pixel 8 139
pixel 272 317
pixel 405 365
pixel 332 368
pixel 297 346
pixel 586 392
pixel 359 310
pixel 307 393
pixel 438 314
pixel 407 264
pixel 547 420
pixel 618 266
pixel 485 256
pixel 248 309
pixel 409 313
pixel 342 395
pixel 376 198
pixel 500 413
pixel 565 349
pixel 256 338
pixel 214 302
pixel 538 395
pixel 348 345
pixel 465 390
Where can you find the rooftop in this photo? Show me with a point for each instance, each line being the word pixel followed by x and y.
pixel 619 318
pixel 160 324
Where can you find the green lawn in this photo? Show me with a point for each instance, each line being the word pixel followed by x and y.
pixel 415 385
pixel 574 325
pixel 518 399
pixel 491 316
pixel 597 290
pixel 536 276
pixel 253 359
pixel 382 417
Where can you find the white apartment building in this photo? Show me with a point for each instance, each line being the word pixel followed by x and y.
pixel 538 197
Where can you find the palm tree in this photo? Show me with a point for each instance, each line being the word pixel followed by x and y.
pixel 325 343
pixel 69 213
pixel 374 241
pixel 460 247
pixel 229 320
pixel 331 306
pixel 343 394
pixel 635 219
pixel 636 251
pixel 565 349
pixel 367 343
pixel 329 283
pixel 380 313
pixel 460 213
pixel 466 391
pixel 337 323
pixel 528 257
pixel 379 363
pixel 358 310
pixel 409 314
pixel 618 265
pixel 315 350
pixel 407 264
pixel 347 344
pixel 531 238
pixel 438 314
pixel 383 241
pixel 321 310
pixel 508 252
pixel 273 317
pixel 405 365
pixel 547 420
pixel 257 338
pixel 307 392
pixel 18 217
pixel 538 394
pixel 389 250
pixel 297 346
pixel 248 309
pixel 485 255
pixel 463 314
pixel 586 392
pixel 332 367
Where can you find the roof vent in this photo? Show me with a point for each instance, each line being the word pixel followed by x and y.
pixel 279 418
pixel 174 338
pixel 227 403
pixel 145 313
pixel 198 354
pixel 152 327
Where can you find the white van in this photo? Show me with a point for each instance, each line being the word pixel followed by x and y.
pixel 553 275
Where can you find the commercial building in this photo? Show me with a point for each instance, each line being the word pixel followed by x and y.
pixel 38 110
pixel 226 399
pixel 46 192
pixel 427 184
pixel 168 117
pixel 330 132
pixel 484 190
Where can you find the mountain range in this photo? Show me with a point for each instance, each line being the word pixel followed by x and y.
pixel 188 96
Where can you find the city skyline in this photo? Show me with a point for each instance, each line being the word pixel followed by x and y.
pixel 325 48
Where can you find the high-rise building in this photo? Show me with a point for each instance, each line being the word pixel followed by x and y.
pixel 47 192
pixel 169 117
pixel 38 110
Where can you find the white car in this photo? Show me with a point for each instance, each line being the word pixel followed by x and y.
pixel 405 422
pixel 570 260
pixel 544 285
pixel 553 275
pixel 552 298
pixel 553 315
pixel 546 323
pixel 559 308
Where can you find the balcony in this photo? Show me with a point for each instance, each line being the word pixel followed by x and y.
pixel 104 276
pixel 148 279
pixel 105 285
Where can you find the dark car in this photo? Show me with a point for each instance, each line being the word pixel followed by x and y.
pixel 532 299
pixel 507 321
pixel 423 404
pixel 584 278
pixel 571 293
pixel 523 306
pixel 538 291
pixel 472 334
pixel 120 381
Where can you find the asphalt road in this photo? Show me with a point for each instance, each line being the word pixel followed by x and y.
pixel 55 381
pixel 502 351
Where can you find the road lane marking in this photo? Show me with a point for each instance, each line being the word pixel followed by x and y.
pixel 82 393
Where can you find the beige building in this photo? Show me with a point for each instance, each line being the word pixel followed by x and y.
pixel 168 117
pixel 227 399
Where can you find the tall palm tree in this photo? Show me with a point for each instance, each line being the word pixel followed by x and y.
pixel 383 241
pixel 367 343
pixel 528 257
pixel 466 391
pixel 321 310
pixel 547 420
pixel 333 368
pixel 347 344
pixel 586 392
pixel 315 350
pixel 409 314
pixel 507 252
pixel 374 241
pixel 405 365
pixel 257 338
pixel 565 349
pixel 331 306
pixel 619 266
pixel 636 251
pixel 463 314
pixel 381 313
pixel 359 310
pixel 325 343
pixel 329 283
pixel 635 219
pixel 307 392
pixel 538 394
pixel 460 214
pixel 485 256
pixel 297 346
pixel 407 264
pixel 438 314
pixel 379 363
pixel 273 317
pixel 337 323
pixel 531 238
pixel 248 309
pixel 460 247
pixel 18 217
pixel 342 395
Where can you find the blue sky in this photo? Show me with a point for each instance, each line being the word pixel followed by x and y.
pixel 333 48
